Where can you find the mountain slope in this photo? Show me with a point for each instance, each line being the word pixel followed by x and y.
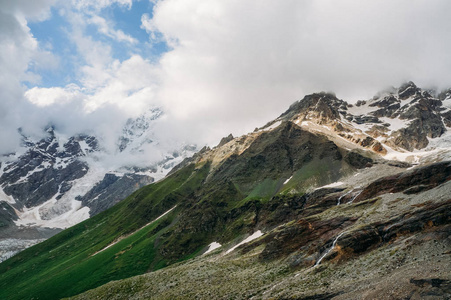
pixel 297 199
pixel 371 245
pixel 211 203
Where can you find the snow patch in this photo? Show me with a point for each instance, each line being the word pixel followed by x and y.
pixel 74 214
pixel 61 163
pixel 252 237
pixel 362 109
pixel 440 147
pixel 396 123
pixel 334 184
pixel 84 147
pixel 271 127
pixel 213 246
pixel 3 195
pixel 66 211
pixel 447 102
pixel 286 181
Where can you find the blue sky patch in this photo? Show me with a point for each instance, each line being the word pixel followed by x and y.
pixel 54 33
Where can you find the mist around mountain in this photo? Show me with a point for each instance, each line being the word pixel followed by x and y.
pixel 330 200
pixel 58 181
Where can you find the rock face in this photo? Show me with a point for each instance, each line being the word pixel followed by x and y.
pixel 404 118
pixel 112 189
pixel 324 107
pixel 7 215
pixel 46 170
pixel 49 170
pixel 413 182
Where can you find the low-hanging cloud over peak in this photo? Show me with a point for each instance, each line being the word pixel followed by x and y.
pixel 228 66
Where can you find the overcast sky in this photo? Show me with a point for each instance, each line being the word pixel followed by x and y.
pixel 215 67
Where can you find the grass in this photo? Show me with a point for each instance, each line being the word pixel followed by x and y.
pixel 63 265
pixel 266 189
pixel 315 173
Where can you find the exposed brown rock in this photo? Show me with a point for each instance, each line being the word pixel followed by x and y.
pixel 305 236
pixel 414 181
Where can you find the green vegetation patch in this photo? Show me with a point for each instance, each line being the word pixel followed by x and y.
pixel 64 265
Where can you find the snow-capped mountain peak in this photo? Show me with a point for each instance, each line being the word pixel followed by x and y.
pixel 58 181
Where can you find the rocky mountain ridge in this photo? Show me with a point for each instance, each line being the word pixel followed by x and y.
pixel 407 124
pixel 407 119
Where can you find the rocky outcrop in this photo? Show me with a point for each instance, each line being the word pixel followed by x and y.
pixel 7 215
pixel 408 90
pixel 401 118
pixel 414 181
pixel 324 107
pixel 112 189
pixel 357 160
pixel 46 170
pixel 307 240
pixel 305 237
pixel 225 140
pixel 418 109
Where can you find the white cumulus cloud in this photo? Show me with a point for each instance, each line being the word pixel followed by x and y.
pixel 236 64
pixel 231 65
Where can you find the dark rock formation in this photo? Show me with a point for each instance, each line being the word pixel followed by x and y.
pixel 111 190
pixel 357 160
pixel 7 215
pixel 324 106
pixel 407 90
pixel 305 236
pixel 430 215
pixel 414 181
pixel 225 140
pixel 45 170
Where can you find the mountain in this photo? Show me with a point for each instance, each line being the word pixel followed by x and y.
pixel 58 181
pixel 328 201
pixel 402 120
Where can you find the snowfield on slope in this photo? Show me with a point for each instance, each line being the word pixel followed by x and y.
pixel 250 238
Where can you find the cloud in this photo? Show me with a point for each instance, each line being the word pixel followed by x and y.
pixel 20 60
pixel 37 10
pixel 99 4
pixel 106 94
pixel 129 87
pixel 236 64
pixel 107 30
pixel 42 97
pixel 231 65
pixel 148 24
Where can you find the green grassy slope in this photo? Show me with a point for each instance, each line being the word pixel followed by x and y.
pixel 233 200
pixel 64 265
